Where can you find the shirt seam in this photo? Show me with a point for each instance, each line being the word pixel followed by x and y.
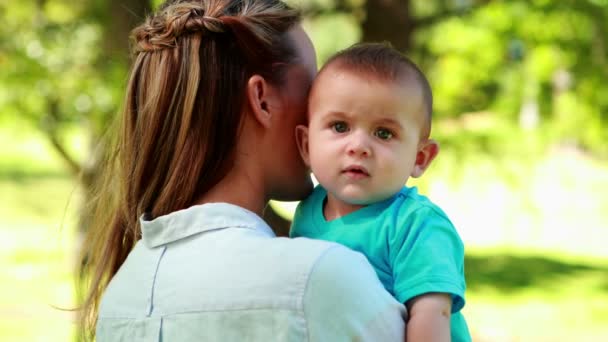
pixel 413 287
pixel 424 205
pixel 431 279
pixel 110 315
pixel 160 257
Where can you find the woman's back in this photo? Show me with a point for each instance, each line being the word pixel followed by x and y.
pixel 217 272
pixel 216 90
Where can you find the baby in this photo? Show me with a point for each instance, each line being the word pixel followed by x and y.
pixel 369 126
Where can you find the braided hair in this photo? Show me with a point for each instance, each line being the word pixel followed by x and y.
pixel 177 134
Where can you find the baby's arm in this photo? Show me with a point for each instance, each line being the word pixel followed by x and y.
pixel 428 268
pixel 429 317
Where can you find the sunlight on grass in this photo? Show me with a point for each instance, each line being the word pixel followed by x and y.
pixel 37 238
pixel 560 203
pixel 36 258
pixel 535 231
pixel 534 298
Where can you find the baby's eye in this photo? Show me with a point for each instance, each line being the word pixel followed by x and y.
pixel 383 133
pixel 340 127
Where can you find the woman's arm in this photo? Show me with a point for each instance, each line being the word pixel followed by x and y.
pixel 345 301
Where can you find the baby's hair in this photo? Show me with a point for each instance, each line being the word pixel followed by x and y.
pixel 385 63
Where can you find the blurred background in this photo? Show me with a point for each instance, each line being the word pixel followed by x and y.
pixel 521 113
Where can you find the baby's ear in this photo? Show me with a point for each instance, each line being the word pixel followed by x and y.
pixel 427 151
pixel 302 141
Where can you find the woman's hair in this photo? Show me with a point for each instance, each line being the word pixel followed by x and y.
pixel 181 118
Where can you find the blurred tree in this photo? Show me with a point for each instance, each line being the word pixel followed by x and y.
pixel 65 63
pixel 534 64
pixel 560 47
pixel 116 19
pixel 538 65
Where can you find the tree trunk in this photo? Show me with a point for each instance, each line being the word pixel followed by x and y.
pixel 389 20
pixel 122 16
pixel 118 18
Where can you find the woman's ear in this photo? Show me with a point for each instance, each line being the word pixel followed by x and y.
pixel 263 100
pixel 427 151
pixel 302 141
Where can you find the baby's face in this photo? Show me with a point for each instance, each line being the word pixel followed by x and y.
pixel 363 134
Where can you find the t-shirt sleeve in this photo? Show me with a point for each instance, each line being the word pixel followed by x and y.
pixel 427 255
pixel 345 301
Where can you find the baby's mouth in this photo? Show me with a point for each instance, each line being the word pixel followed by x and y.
pixel 356 171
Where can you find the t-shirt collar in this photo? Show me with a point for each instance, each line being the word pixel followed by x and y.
pixel 197 219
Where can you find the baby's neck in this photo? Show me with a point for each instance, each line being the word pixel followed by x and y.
pixel 334 208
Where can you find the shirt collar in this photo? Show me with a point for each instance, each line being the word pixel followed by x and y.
pixel 197 219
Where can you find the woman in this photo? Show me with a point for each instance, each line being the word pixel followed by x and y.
pixel 178 250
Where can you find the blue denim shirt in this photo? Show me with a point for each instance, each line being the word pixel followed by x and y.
pixel 217 272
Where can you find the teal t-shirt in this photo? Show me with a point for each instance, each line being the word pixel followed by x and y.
pixel 409 241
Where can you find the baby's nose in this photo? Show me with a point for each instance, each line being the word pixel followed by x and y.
pixel 359 145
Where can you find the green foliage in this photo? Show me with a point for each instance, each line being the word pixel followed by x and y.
pixel 31 156
pixel 501 55
pixel 494 57
pixel 53 76
pixel 332 33
pixel 528 62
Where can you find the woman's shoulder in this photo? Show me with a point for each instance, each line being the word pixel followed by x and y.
pixel 324 263
pixel 343 288
pixel 332 266
pixel 306 251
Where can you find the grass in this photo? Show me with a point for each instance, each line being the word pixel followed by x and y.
pixel 37 246
pixel 528 297
pixel 37 239
pixel 535 231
